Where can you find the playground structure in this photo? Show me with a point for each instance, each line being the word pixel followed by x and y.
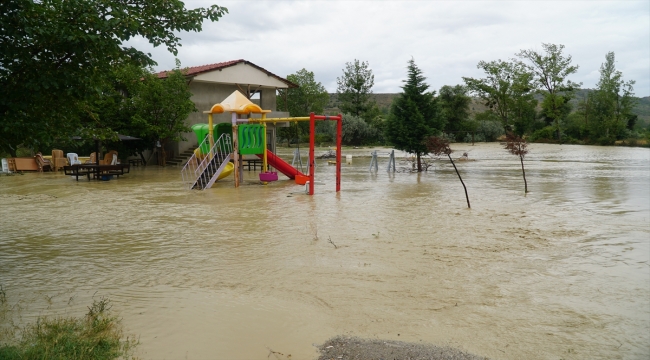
pixel 374 161
pixel 247 136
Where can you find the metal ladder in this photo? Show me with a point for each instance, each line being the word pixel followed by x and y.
pixel 200 172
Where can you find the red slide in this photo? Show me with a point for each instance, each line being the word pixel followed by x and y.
pixel 281 165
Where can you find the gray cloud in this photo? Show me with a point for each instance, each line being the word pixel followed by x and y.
pixel 446 38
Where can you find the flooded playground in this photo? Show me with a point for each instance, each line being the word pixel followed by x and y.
pixel 265 271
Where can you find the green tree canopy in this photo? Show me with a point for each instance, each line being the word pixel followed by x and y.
pixel 414 115
pixel 551 69
pixel 354 89
pixel 56 55
pixel 161 106
pixel 611 104
pixel 506 90
pixel 454 103
pixel 310 96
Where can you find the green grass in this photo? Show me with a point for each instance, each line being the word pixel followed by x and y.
pixel 96 336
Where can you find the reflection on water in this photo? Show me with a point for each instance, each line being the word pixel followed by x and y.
pixel 562 272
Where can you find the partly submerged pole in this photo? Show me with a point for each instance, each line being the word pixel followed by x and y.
pixel 339 132
pixel 312 160
pixel 235 147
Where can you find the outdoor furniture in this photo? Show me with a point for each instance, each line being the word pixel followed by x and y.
pixel 135 162
pixel 92 159
pixel 22 164
pixel 76 171
pixel 58 161
pixel 110 158
pixel 252 162
pixel 96 170
pixel 73 159
pixel 43 164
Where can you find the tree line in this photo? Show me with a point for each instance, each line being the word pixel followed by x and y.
pixel 531 96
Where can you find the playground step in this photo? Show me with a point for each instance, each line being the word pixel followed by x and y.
pixel 182 157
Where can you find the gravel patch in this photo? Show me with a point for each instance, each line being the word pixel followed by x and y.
pixel 347 348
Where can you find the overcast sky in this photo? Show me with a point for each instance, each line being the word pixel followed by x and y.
pixel 446 38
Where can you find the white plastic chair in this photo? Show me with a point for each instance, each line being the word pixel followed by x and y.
pixel 73 159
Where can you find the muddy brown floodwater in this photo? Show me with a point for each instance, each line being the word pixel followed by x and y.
pixel 253 273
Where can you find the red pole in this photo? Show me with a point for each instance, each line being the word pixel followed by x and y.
pixel 312 130
pixel 339 128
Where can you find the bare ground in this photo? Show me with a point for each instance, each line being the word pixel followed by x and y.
pixel 342 348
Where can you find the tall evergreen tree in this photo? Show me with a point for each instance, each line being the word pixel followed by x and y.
pixel 414 115
pixel 354 90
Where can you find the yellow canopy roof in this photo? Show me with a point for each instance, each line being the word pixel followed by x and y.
pixel 237 103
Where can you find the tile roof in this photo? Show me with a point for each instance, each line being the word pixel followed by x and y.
pixel 195 70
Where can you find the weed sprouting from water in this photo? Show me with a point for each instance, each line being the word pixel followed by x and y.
pixel 97 335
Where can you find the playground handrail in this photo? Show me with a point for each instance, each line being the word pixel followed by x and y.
pixel 196 166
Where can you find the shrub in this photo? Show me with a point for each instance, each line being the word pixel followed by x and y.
pixel 97 335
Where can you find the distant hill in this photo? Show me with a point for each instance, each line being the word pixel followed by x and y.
pixel 384 100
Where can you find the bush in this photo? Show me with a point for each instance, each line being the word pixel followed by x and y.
pixel 490 130
pixel 97 335
pixel 544 134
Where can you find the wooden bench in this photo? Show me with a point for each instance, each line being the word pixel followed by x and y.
pixel 252 162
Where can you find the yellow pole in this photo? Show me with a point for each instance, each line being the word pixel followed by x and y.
pixel 264 159
pixel 211 134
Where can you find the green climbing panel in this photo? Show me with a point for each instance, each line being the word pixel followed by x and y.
pixel 251 139
pixel 202 131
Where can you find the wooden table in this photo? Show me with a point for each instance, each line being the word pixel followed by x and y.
pixel 96 170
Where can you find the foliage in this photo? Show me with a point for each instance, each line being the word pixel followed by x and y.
pixel 454 103
pixel 518 146
pixel 546 134
pixel 506 91
pixel 414 116
pixel 98 335
pixel 608 109
pixel 310 96
pixel 58 54
pixel 354 90
pixel 551 70
pixel 354 131
pixel 438 146
pixel 161 107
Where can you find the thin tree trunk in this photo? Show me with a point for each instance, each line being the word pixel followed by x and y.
pixel 419 163
pixel 461 181
pixel 523 172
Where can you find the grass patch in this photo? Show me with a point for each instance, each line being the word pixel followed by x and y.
pixel 96 336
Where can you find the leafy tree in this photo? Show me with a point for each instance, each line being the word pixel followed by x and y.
pixel 354 130
pixel 310 96
pixel 57 54
pixel 506 90
pixel 551 70
pixel 415 115
pixel 161 106
pixel 610 105
pixel 518 146
pixel 354 89
pixel 454 103
pixel 438 146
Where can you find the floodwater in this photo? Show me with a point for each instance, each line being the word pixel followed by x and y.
pixel 266 271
